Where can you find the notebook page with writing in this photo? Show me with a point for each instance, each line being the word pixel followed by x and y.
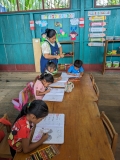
pixel 58 85
pixel 56 91
pixel 55 94
pixel 69 76
pixel 54 125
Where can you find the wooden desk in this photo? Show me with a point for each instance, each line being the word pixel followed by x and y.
pixel 85 137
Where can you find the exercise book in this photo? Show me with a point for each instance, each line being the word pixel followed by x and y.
pixel 53 124
pixel 55 94
pixel 60 84
pixel 65 75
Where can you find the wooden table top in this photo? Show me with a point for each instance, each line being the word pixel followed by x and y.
pixel 85 137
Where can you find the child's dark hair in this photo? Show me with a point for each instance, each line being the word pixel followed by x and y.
pixel 37 107
pixel 51 65
pixel 78 63
pixel 50 33
pixel 47 76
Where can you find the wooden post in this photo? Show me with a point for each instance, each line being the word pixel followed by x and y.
pixel 37 53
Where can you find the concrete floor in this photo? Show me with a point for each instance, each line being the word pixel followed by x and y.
pixel 109 101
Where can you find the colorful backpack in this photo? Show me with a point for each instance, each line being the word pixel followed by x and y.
pixel 24 96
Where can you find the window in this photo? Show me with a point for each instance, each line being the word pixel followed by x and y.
pixel 27 5
pixel 107 3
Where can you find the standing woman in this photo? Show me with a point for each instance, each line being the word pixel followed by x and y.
pixel 51 50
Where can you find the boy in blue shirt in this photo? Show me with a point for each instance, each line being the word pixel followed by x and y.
pixel 76 68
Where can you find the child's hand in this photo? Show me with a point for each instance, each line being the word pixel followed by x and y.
pixel 58 57
pixel 44 137
pixel 19 148
pixel 48 90
pixel 59 78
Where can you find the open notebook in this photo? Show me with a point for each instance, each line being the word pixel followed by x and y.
pixel 56 94
pixel 53 124
pixel 65 75
pixel 60 84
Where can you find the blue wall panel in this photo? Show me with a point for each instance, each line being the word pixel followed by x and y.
pixel 16 36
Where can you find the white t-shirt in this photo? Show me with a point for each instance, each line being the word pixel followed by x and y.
pixel 46 47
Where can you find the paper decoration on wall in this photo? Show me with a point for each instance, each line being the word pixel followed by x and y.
pixel 43 35
pixel 97 29
pixel 32 27
pixel 58 16
pixel 97 18
pixel 93 24
pixel 73 35
pixel 58 24
pixel 73 28
pixel 99 13
pixel 96 35
pixel 96 44
pixel 42 23
pixel 81 22
pixel 74 21
pixel 96 39
pixel 63 34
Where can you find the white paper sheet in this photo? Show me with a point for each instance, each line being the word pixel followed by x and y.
pixel 54 123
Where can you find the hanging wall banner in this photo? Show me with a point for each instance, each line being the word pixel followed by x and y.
pixel 58 16
pixel 97 29
pixel 93 24
pixel 32 27
pixel 96 35
pixel 96 39
pixel 96 44
pixel 97 18
pixel 99 13
pixel 81 22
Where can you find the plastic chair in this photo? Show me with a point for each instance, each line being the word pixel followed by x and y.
pixel 113 135
pixel 5 126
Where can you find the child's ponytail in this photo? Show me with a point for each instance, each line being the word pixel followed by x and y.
pixel 37 107
pixel 47 76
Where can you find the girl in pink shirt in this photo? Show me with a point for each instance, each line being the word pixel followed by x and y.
pixel 41 84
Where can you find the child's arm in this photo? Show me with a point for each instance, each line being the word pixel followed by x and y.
pixel 57 79
pixel 28 146
pixel 38 93
pixel 71 74
pixel 81 74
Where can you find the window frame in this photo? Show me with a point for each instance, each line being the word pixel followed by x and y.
pixel 38 10
pixel 95 6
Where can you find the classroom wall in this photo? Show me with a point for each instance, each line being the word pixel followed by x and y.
pixel 16 49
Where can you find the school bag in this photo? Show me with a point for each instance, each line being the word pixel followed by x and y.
pixel 24 96
pixel 69 87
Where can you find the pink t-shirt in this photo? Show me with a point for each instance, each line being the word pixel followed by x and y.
pixel 38 86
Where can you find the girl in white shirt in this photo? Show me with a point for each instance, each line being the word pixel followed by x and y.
pixel 51 50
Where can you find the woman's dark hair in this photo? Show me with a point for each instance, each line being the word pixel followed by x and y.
pixel 51 65
pixel 50 33
pixel 37 107
pixel 47 76
pixel 78 63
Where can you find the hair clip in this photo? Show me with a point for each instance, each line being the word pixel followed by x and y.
pixel 28 105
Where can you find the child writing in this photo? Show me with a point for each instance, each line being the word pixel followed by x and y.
pixel 51 50
pixel 19 138
pixel 41 85
pixel 51 68
pixel 76 68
